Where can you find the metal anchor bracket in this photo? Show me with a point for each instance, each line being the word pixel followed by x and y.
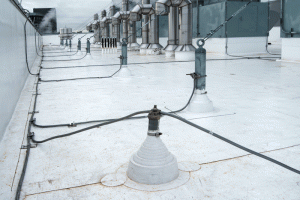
pixel 156 134
pixel 195 75
pixel 33 112
pixel 31 146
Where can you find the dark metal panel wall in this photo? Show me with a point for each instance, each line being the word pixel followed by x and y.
pixel 251 22
pixel 210 17
pixel 290 18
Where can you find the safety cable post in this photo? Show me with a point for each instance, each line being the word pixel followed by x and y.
pixel 88 45
pixel 200 66
pixel 123 57
pixel 70 44
pixel 79 44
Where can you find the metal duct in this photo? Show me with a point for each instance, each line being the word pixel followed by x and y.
pixel 173 29
pixel 184 24
pixel 145 29
pixel 96 28
pixel 125 24
pixel 185 27
pixel 154 32
pixel 89 27
pixel 132 33
pixel 112 12
pixel 103 14
pixel 104 24
pixel 142 12
pixel 116 22
pixel 96 16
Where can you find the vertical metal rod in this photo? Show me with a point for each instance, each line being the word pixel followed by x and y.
pixel 79 45
pixel 88 46
pixel 124 53
pixel 70 44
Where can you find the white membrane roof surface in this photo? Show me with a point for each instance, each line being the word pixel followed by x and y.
pixel 256 104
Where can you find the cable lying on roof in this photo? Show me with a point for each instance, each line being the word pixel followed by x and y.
pixel 31 136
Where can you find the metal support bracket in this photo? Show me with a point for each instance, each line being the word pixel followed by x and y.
pixel 33 112
pixel 196 76
pixel 156 134
pixel 72 124
pixel 31 146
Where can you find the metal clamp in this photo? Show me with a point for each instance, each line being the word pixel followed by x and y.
pixel 33 112
pixel 156 134
pixel 154 113
pixel 72 124
pixel 31 146
pixel 196 76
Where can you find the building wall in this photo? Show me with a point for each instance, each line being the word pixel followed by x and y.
pixel 13 71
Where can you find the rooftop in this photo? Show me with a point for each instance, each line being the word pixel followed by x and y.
pixel 256 104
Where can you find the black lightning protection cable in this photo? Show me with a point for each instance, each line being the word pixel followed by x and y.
pixel 176 117
pixel 231 142
pixel 26 56
pixel 66 60
pixel 158 62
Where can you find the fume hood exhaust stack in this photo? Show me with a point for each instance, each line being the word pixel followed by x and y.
pixel 178 41
pixel 104 25
pixel 173 32
pixel 116 21
pixel 154 47
pixel 96 28
pixel 153 164
pixel 138 13
pixel 145 31
pixel 125 23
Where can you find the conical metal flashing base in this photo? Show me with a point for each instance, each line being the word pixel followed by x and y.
pixel 153 164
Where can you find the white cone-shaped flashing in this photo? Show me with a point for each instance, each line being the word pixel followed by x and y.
pixel 200 103
pixel 153 164
pixel 124 72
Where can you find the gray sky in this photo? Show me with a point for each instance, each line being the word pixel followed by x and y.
pixel 70 13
